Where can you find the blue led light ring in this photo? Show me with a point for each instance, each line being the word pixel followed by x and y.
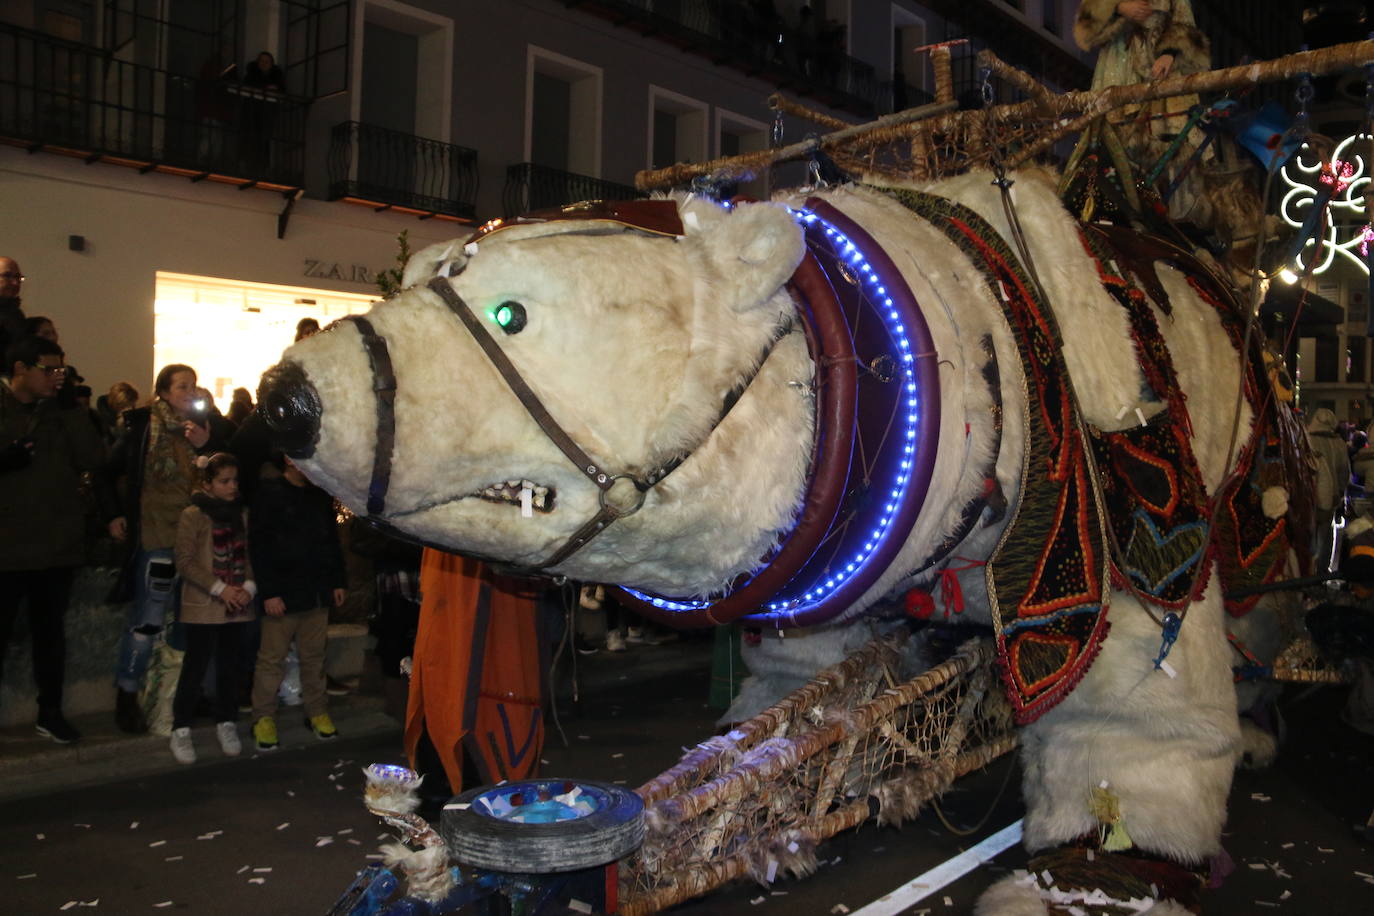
pixel 919 373
pixel 914 448
pixel 831 347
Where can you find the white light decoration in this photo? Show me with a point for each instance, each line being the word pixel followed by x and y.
pixel 1346 224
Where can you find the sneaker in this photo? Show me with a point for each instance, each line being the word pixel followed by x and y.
pixel 182 748
pixel 265 733
pixel 634 634
pixel 228 735
pixel 323 727
pixel 53 725
pixel 615 642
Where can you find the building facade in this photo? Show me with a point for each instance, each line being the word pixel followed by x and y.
pixel 142 137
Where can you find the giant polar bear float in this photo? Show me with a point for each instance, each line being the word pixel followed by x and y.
pixel 630 337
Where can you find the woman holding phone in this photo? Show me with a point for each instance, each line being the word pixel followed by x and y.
pixel 154 474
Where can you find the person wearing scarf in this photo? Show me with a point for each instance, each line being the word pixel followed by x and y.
pixel 217 591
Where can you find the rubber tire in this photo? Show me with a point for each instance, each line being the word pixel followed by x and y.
pixel 477 839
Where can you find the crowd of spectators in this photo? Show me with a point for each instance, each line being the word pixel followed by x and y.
pixel 227 563
pixel 229 560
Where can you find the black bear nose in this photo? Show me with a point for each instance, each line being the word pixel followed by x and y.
pixel 290 406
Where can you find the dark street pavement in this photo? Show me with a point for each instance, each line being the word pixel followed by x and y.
pixel 124 830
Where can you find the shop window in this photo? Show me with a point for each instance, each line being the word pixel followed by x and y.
pixel 229 331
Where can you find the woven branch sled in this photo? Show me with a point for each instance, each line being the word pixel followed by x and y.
pixel 855 739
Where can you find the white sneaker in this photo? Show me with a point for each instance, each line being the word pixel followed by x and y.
pixel 615 642
pixel 634 634
pixel 182 749
pixel 228 735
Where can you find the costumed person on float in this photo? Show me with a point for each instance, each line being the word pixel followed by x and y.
pixel 1140 41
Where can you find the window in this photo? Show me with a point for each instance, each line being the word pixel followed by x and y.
pixel 253 323
pixel 909 65
pixel 1328 359
pixel 404 65
pixel 562 113
pixel 677 128
pixel 737 134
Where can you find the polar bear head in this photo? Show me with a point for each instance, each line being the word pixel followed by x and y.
pixel 630 339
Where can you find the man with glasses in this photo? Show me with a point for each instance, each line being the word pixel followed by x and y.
pixel 44 448
pixel 11 312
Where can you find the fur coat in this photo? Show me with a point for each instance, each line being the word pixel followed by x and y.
pixel 1126 51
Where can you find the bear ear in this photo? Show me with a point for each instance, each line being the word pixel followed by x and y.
pixel 753 248
pixel 426 262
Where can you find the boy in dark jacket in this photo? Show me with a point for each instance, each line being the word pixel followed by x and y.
pixel 298 562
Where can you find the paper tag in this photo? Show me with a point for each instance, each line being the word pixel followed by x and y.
pixel 1140 415
pixel 1167 668
pixel 526 503
pixel 1122 412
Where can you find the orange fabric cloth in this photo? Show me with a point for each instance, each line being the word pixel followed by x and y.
pixel 478 675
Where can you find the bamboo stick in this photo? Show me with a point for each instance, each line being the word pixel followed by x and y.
pixel 779 102
pixel 1085 104
pixel 734 166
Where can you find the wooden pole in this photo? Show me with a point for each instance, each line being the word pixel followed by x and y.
pixel 735 165
pixel 1081 106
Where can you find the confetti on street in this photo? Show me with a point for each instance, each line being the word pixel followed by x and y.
pixel 32 874
pixel 173 858
pixel 156 843
pixel 283 825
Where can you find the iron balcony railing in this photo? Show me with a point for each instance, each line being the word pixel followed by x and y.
pixel 78 98
pixel 808 60
pixel 537 187
pixel 394 169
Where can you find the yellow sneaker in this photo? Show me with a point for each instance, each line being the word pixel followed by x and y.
pixel 323 727
pixel 265 733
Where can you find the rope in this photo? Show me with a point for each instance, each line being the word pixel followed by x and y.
pixel 996 800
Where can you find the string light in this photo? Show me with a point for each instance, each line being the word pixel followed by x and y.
pixel 843 569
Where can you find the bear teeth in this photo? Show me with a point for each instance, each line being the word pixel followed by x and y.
pixel 509 493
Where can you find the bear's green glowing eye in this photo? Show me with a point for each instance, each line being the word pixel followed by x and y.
pixel 510 317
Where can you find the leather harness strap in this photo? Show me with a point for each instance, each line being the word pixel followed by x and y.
pixel 609 510
pixel 535 407
pixel 384 386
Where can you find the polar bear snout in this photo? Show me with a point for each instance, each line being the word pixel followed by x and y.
pixel 290 406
